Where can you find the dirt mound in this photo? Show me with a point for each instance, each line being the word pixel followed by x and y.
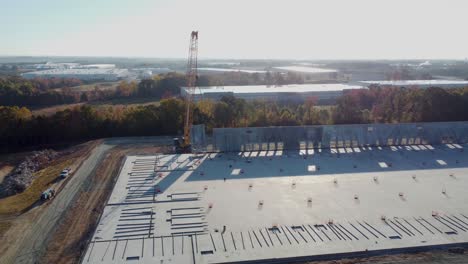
pixel 22 176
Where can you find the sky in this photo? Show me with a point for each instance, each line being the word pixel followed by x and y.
pixel 237 29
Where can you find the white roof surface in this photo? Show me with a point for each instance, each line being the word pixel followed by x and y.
pixel 304 69
pixel 100 66
pixel 229 70
pixel 192 208
pixel 291 88
pixel 418 82
pixel 79 71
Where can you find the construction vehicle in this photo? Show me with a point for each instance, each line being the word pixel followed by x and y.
pixel 47 194
pixel 184 145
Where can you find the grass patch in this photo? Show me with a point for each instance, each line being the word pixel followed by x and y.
pixel 129 101
pixel 43 179
pixel 118 102
pixel 50 110
pixel 92 87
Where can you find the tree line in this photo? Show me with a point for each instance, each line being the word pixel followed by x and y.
pixel 17 91
pixel 36 92
pixel 20 129
pixel 41 92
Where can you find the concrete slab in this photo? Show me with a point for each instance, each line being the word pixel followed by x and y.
pixel 194 209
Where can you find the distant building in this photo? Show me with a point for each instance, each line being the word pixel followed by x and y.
pixel 224 70
pixel 52 65
pixel 148 73
pixel 96 66
pixel 324 93
pixel 312 74
pixel 419 83
pixel 82 74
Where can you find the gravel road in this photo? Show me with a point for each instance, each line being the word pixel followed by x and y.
pixel 34 240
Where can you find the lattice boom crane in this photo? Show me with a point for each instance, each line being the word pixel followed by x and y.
pixel 191 83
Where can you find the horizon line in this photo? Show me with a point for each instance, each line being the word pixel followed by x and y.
pixel 238 59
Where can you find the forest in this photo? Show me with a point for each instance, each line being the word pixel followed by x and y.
pixel 39 92
pixel 16 91
pixel 20 129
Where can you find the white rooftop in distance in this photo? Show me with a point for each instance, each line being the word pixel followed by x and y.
pixel 192 208
pixel 418 82
pixel 291 88
pixel 80 71
pixel 304 69
pixel 229 70
pixel 98 66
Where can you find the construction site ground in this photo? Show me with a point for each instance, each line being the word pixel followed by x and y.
pixel 432 257
pixel 58 231
pixel 28 235
pixel 69 240
pixel 27 217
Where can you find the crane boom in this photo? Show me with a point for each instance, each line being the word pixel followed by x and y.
pixel 191 83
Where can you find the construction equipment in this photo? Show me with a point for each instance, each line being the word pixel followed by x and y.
pixel 185 145
pixel 47 194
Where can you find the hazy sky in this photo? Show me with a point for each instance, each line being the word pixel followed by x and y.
pixel 265 29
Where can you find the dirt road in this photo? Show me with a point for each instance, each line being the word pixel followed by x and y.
pixel 70 239
pixel 31 242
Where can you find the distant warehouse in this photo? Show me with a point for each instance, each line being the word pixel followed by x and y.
pixel 308 74
pixel 97 74
pixel 324 93
pixel 312 74
pixel 419 83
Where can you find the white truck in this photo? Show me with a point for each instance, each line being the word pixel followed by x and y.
pixel 64 174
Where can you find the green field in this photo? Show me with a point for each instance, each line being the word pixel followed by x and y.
pixel 127 102
pixel 92 87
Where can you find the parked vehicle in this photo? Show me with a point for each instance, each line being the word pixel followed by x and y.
pixel 47 194
pixel 65 173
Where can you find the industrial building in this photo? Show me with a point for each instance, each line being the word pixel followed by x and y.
pixel 419 83
pixel 52 65
pixel 147 73
pixel 313 74
pixel 308 74
pixel 303 196
pixel 96 66
pixel 208 70
pixel 293 92
pixel 95 74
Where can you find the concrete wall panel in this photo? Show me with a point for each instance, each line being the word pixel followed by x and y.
pixel 253 138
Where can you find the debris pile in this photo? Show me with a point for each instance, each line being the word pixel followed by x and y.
pixel 22 176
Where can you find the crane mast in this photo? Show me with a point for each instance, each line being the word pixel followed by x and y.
pixel 191 83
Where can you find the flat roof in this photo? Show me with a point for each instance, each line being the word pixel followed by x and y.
pixel 101 66
pixel 229 70
pixel 305 69
pixel 273 204
pixel 78 71
pixel 290 88
pixel 418 82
